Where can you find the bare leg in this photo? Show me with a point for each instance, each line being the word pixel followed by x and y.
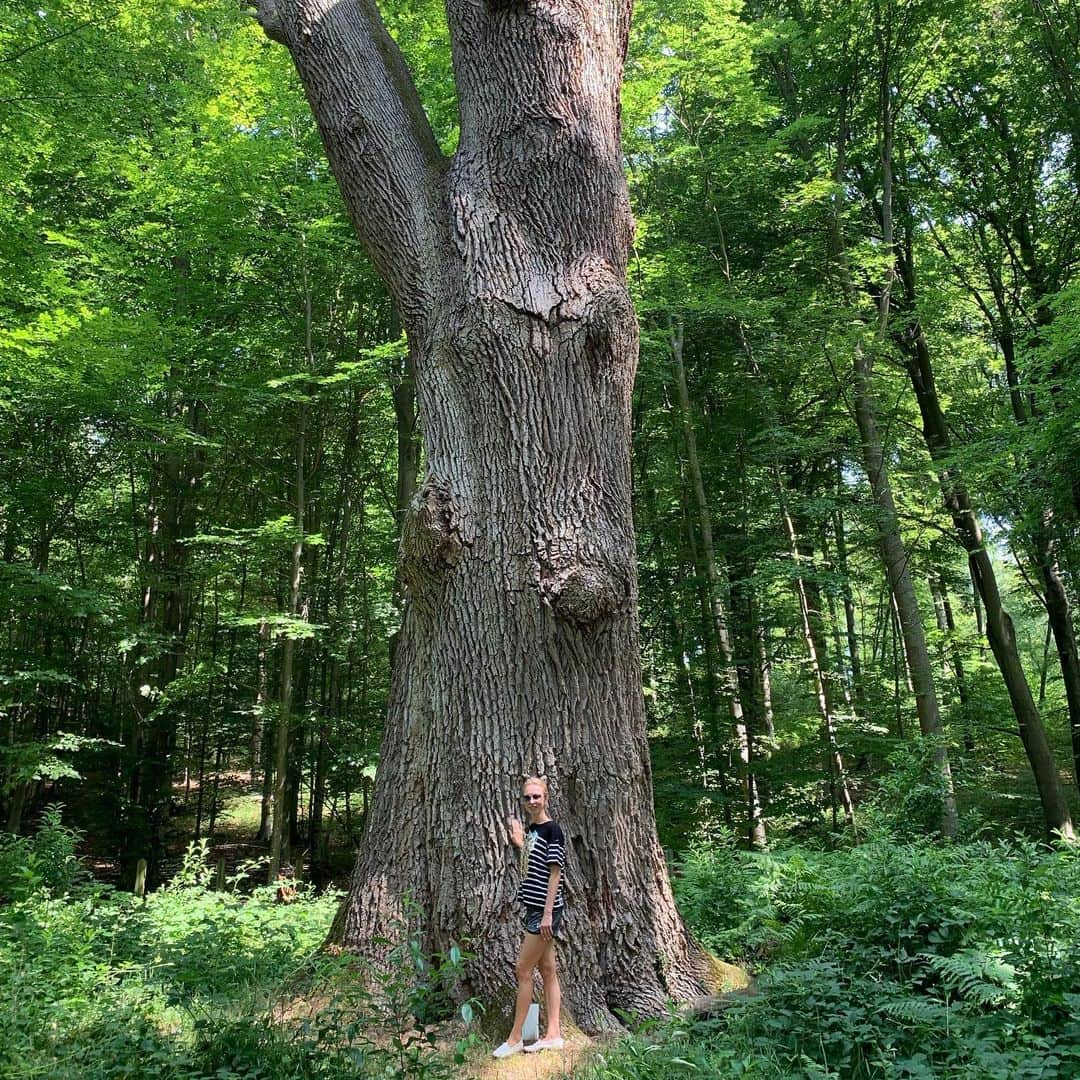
pixel 552 991
pixel 532 948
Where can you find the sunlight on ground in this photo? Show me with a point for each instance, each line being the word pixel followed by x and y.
pixel 548 1063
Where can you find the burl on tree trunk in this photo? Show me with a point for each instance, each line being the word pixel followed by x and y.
pixel 519 651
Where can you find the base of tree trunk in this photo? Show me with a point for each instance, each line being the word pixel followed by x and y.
pixel 666 967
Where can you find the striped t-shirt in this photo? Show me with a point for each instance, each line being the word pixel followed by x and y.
pixel 545 847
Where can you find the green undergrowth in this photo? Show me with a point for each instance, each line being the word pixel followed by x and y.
pixel 892 958
pixel 193 983
pixel 888 959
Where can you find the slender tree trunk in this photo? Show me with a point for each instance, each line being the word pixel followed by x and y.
pixel 1044 667
pixel 316 830
pixel 894 553
pixel 266 802
pixel 947 625
pixel 17 806
pixel 255 749
pixel 215 791
pixel 851 633
pixel 1044 542
pixel 999 625
pixel 751 689
pixel 670 577
pixel 1059 616
pixel 809 599
pixel 199 799
pixel 765 666
pixel 720 745
pixel 902 651
pixel 728 671
pixel 845 680
pixel 349 493
pixel 279 826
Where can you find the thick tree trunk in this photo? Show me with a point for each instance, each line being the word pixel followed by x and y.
pixel 518 650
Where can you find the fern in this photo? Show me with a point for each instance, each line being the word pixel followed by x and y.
pixel 915 1010
pixel 978 976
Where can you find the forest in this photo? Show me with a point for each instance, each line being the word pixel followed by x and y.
pixel 401 400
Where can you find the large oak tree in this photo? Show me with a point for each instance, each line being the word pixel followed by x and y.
pixel 519 648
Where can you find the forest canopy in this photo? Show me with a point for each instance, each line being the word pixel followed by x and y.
pixel 854 449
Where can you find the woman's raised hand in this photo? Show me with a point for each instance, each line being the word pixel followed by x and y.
pixel 517 834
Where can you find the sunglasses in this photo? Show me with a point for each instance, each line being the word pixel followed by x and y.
pixel 532 798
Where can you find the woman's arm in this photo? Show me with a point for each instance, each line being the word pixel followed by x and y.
pixel 554 873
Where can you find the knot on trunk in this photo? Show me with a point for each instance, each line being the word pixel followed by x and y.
pixel 596 295
pixel 430 537
pixel 581 594
pixel 269 18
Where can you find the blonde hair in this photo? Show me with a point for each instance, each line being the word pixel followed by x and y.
pixel 541 780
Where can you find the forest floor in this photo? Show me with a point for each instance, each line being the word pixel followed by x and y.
pixel 896 957
pixel 578 1051
pixel 235 841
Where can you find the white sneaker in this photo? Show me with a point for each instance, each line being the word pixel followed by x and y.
pixel 507 1049
pixel 544 1044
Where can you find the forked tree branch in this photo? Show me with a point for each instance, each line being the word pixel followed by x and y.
pixel 377 137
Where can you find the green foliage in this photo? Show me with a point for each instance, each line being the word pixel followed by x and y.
pixel 887 959
pixel 908 796
pixel 45 862
pixel 193 983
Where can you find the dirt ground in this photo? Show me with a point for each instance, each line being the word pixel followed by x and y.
pixel 548 1063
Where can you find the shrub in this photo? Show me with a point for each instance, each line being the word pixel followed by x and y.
pixel 46 860
pixel 889 959
pixel 193 983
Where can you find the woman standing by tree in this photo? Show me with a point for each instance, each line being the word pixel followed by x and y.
pixel 541 893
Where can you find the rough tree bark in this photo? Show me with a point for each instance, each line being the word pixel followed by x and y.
pixel 518 651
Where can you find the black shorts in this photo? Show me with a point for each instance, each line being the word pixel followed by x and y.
pixel 533 916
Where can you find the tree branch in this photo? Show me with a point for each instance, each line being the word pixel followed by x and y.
pixel 43 42
pixel 377 137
